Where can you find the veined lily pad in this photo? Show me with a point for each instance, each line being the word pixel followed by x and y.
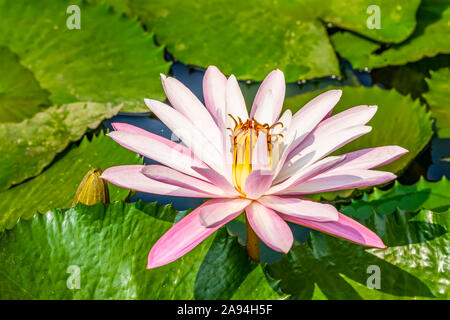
pixel 439 100
pixel 251 38
pixel 414 266
pixel 398 121
pixel 431 37
pixel 109 59
pixel 107 247
pixel 29 146
pixel 20 94
pixel 433 196
pixel 57 185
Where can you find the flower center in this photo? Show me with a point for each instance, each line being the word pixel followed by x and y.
pixel 244 137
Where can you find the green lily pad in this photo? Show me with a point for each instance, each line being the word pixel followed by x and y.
pixel 397 18
pixel 439 101
pixel 398 121
pixel 251 38
pixel 29 146
pixel 433 196
pixel 109 59
pixel 108 245
pixel 245 38
pixel 414 266
pixel 431 37
pixel 57 185
pixel 409 79
pixel 20 94
pixel 228 273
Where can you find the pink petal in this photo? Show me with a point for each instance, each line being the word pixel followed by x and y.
pixel 344 228
pixel 235 102
pixel 125 127
pixel 214 93
pixel 157 149
pixel 215 211
pixel 260 155
pixel 318 145
pixel 170 176
pixel 274 86
pixel 185 102
pixel 194 139
pixel 341 180
pixel 306 173
pixel 269 227
pixel 301 208
pixel 217 179
pixel 355 116
pixel 257 182
pixel 370 158
pixel 130 177
pixel 312 113
pixel 181 238
pixel 279 163
pixel 285 119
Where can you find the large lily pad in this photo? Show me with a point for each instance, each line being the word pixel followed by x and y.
pixel 29 146
pixel 439 100
pixel 251 38
pixel 228 273
pixel 397 18
pixel 414 266
pixel 245 38
pixel 433 196
pixel 398 121
pixel 431 37
pixel 57 185
pixel 20 94
pixel 109 245
pixel 109 59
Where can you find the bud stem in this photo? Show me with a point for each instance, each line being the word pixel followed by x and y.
pixel 252 243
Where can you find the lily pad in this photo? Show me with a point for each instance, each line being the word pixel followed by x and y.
pixel 20 94
pixel 398 121
pixel 109 59
pixel 439 101
pixel 251 38
pixel 29 146
pixel 414 266
pixel 107 246
pixel 431 37
pixel 397 18
pixel 228 273
pixel 245 38
pixel 57 185
pixel 433 196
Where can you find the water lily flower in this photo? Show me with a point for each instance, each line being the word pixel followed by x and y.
pixel 258 163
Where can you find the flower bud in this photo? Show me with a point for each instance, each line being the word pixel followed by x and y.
pixel 92 189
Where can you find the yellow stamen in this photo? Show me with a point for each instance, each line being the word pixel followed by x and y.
pixel 244 137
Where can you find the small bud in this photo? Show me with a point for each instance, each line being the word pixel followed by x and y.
pixel 92 189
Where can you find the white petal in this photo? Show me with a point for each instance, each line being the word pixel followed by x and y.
pixel 235 102
pixel 301 208
pixel 188 133
pixel 274 83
